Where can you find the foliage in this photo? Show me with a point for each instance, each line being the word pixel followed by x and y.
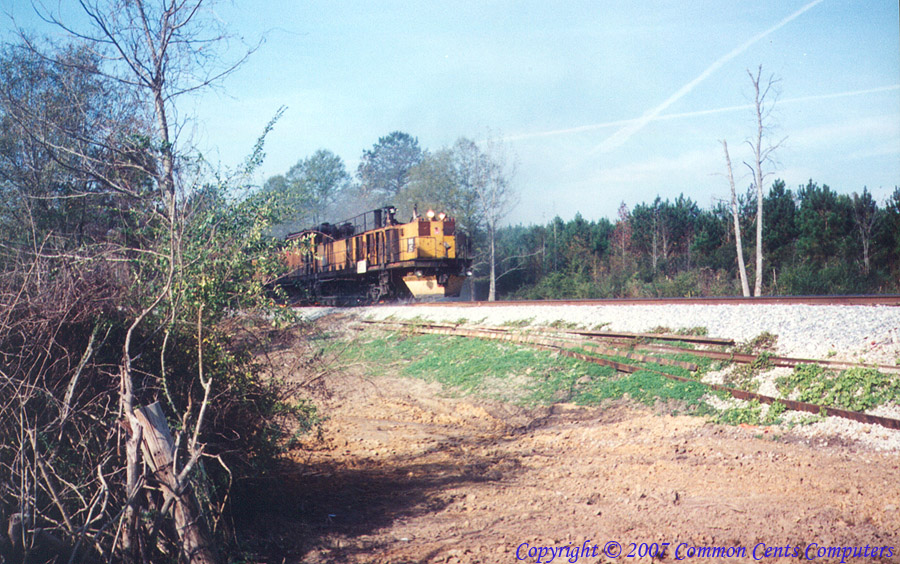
pixel 384 169
pixel 308 192
pixel 749 414
pixel 764 342
pixel 752 413
pixel 857 388
pixel 124 263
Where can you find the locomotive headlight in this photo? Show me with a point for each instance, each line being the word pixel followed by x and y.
pixel 430 214
pixel 419 273
pixel 441 216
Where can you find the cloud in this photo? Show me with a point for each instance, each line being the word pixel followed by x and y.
pixel 869 130
pixel 697 113
pixel 621 136
pixel 661 171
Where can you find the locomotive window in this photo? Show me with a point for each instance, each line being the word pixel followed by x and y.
pixel 410 245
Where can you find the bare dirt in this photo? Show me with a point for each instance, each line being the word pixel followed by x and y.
pixel 404 472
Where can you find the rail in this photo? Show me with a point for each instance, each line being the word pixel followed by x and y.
pixel 857 300
pixel 557 343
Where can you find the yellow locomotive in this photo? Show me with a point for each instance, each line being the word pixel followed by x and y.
pixel 372 257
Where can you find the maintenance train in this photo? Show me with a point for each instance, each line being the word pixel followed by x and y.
pixel 373 257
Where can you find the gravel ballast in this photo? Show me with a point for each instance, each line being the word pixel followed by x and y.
pixel 855 333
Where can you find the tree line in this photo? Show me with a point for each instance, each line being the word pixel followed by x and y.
pixel 816 241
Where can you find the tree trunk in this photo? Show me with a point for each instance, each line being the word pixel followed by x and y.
pixel 745 286
pixel 159 451
pixel 492 290
pixel 759 156
pixel 757 289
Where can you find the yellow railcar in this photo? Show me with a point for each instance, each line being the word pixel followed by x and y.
pixel 373 257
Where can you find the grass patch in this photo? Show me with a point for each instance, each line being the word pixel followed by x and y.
pixel 646 387
pixel 516 373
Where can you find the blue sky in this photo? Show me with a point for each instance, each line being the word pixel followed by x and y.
pixel 601 101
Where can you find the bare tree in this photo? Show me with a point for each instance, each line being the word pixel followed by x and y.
pixel 745 287
pixel 496 197
pixel 865 217
pixel 762 154
pixel 153 51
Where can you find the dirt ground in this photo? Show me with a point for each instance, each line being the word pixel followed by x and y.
pixel 404 472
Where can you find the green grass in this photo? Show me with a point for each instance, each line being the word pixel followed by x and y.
pixel 529 376
pixel 646 387
pixel 516 373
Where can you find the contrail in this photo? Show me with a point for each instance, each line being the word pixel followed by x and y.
pixel 665 117
pixel 618 138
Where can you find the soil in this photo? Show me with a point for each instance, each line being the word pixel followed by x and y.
pixel 405 472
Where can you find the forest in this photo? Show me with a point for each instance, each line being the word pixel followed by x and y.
pixel 815 239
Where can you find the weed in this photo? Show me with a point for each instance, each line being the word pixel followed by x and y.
pixel 646 387
pixel 774 413
pixel 418 321
pixel 748 414
pixel 751 413
pixel 858 388
pixel 693 331
pixel 660 330
pixel 561 324
pixel 516 373
pixel 765 341
pixel 744 375
pixel 601 326
pixel 518 322
pixel 805 419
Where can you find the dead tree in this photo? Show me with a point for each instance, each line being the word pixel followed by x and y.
pixel 153 52
pixel 497 197
pixel 865 217
pixel 745 287
pixel 762 154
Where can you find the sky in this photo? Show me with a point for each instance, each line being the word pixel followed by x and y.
pixel 600 102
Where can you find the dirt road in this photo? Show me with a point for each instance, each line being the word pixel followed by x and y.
pixel 405 473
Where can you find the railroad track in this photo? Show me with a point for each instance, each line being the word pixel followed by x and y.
pixel 855 300
pixel 601 345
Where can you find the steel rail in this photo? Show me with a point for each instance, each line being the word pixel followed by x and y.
pixel 549 344
pixel 617 335
pixel 854 300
